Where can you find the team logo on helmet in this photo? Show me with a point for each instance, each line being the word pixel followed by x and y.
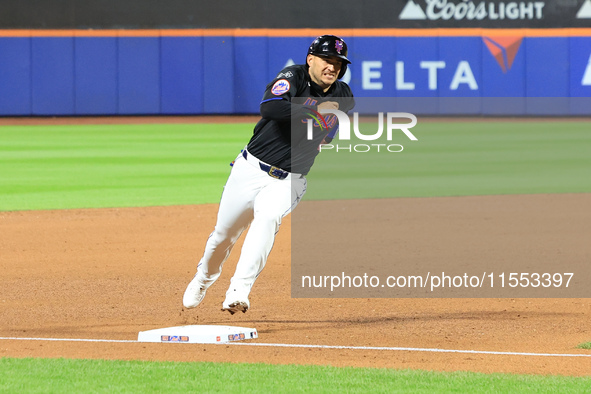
pixel 339 46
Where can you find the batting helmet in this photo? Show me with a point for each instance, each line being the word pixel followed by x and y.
pixel 328 45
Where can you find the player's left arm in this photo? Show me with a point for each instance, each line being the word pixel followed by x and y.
pixel 346 104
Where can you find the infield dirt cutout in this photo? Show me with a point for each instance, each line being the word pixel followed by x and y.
pixel 110 273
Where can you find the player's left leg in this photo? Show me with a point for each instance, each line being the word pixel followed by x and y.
pixel 271 205
pixel 234 215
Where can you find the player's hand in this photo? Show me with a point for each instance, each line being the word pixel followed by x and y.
pixel 328 105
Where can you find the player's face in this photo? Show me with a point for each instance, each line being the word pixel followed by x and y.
pixel 324 70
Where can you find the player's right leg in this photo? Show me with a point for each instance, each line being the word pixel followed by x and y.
pixel 272 204
pixel 234 215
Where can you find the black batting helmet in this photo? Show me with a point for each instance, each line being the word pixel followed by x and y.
pixel 328 45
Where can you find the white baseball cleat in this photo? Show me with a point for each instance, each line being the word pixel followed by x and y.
pixel 234 303
pixel 194 294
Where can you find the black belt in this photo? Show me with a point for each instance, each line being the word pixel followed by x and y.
pixel 272 171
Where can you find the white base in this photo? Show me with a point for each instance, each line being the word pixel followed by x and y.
pixel 198 334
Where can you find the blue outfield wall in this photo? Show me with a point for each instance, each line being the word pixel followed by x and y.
pixel 227 73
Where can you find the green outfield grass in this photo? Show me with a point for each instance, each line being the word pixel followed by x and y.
pixel 460 158
pixel 92 166
pixel 100 376
pixel 58 167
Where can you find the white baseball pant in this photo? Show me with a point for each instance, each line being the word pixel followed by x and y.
pixel 250 196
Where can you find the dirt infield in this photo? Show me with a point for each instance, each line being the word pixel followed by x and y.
pixel 110 273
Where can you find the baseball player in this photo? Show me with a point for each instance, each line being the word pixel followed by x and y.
pixel 263 186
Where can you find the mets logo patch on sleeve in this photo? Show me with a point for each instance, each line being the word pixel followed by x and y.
pixel 280 87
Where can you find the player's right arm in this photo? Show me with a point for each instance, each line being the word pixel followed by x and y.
pixel 277 101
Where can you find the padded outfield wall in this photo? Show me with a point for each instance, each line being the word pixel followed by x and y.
pixel 224 71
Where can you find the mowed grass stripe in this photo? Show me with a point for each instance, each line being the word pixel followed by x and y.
pixel 63 375
pixel 93 166
pixel 461 158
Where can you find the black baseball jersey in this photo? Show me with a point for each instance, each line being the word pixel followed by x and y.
pixel 280 137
